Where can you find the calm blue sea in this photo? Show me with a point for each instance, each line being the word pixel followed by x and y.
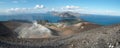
pixel 102 19
pixel 97 19
pixel 30 17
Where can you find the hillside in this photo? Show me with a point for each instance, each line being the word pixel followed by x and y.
pixel 59 29
pixel 74 28
pixel 103 37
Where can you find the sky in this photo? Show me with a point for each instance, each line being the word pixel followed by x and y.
pixel 102 7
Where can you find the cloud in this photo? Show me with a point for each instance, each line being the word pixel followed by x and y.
pixel 17 10
pixel 101 12
pixel 87 10
pixel 19 1
pixel 25 10
pixel 107 12
pixel 53 9
pixel 71 7
pixel 39 6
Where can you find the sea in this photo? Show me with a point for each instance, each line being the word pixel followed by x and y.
pixel 97 19
pixel 102 19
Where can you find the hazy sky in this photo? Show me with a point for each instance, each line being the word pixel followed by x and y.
pixel 105 7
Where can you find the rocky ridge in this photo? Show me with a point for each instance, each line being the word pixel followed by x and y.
pixel 103 37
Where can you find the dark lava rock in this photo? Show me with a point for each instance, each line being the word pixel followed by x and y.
pixel 6 32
